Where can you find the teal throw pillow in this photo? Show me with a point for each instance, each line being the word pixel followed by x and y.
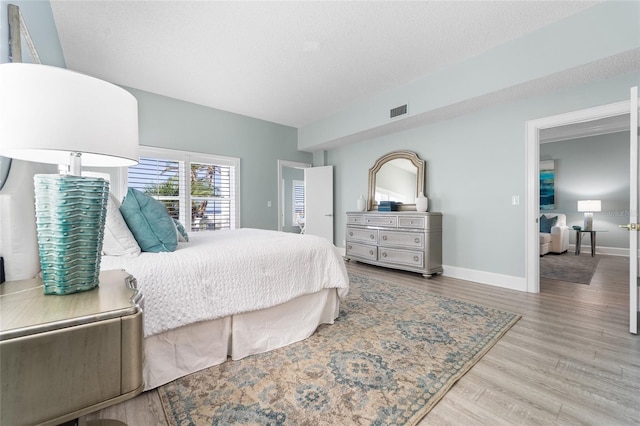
pixel 182 233
pixel 149 222
pixel 546 223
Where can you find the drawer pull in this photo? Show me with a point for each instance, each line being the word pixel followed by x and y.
pixel 384 254
pixel 351 234
pixel 411 222
pixel 384 237
pixel 373 237
pixel 371 252
pixel 391 221
pixel 416 258
pixel 417 240
pixel 350 247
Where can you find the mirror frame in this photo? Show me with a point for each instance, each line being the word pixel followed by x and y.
pixel 406 155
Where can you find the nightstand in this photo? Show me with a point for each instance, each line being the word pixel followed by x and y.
pixel 62 357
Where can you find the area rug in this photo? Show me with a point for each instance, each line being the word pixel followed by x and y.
pixel 391 355
pixel 569 267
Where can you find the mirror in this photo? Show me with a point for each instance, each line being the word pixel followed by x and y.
pixel 397 176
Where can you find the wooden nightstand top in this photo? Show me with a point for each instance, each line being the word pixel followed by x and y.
pixel 26 310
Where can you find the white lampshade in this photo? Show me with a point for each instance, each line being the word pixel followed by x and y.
pixel 53 115
pixel 589 206
pixel 47 112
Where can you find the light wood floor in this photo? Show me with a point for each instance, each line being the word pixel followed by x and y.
pixel 569 360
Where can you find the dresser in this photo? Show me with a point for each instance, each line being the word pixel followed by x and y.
pixel 62 357
pixel 407 240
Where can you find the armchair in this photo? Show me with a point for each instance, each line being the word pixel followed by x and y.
pixel 554 233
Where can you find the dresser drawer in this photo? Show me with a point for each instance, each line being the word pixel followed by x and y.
pixel 401 257
pixel 362 234
pixel 381 220
pixel 355 219
pixel 412 240
pixel 411 222
pixel 361 250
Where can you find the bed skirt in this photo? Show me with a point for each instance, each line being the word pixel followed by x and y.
pixel 176 353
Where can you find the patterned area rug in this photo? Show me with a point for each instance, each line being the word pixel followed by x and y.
pixel 569 267
pixel 389 358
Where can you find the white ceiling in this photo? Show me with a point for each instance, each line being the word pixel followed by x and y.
pixel 286 62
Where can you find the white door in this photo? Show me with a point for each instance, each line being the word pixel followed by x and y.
pixel 634 223
pixel 318 195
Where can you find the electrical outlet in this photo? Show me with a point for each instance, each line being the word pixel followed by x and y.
pixel 515 200
pixel 269 203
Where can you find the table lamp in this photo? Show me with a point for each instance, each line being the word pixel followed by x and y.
pixel 588 207
pixel 54 115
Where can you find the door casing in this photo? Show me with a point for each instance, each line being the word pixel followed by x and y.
pixel 532 184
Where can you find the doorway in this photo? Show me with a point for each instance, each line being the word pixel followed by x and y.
pixel 614 117
pixel 290 176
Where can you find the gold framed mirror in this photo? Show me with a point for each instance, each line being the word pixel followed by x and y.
pixel 397 176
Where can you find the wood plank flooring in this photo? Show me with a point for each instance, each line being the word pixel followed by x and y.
pixel 569 360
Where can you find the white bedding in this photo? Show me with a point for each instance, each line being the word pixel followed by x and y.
pixel 223 273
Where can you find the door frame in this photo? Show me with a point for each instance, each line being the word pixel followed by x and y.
pixel 281 165
pixel 532 184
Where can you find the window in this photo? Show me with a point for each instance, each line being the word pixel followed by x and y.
pixel 199 190
pixel 298 201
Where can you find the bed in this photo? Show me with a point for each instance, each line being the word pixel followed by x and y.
pixel 222 294
pixel 232 293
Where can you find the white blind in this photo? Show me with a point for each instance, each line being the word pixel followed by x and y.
pixel 160 179
pixel 298 201
pixel 201 194
pixel 211 197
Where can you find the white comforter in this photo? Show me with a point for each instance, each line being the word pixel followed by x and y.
pixel 223 273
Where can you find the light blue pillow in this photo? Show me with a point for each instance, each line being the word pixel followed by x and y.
pixel 546 223
pixel 149 222
pixel 182 232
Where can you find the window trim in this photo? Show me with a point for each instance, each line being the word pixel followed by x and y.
pixel 198 157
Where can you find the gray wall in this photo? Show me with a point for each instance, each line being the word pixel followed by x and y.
pixel 593 168
pixel 474 164
pixel 169 123
pixel 475 155
pixel 42 28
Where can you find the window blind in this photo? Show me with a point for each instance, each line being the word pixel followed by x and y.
pixel 298 201
pixel 198 190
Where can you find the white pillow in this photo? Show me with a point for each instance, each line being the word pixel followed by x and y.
pixel 118 239
pixel 18 242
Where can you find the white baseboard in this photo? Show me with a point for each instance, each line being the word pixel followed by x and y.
pixel 610 251
pixel 490 278
pixel 508 281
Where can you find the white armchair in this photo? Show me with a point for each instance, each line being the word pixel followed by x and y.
pixel 556 240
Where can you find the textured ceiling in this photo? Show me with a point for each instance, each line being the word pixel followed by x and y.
pixel 286 62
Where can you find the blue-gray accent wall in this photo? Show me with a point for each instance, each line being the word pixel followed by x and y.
pixel 593 168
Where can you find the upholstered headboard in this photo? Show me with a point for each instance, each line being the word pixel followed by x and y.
pixel 18 242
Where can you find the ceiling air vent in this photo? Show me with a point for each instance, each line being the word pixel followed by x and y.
pixel 397 111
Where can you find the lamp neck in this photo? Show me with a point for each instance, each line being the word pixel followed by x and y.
pixel 75 164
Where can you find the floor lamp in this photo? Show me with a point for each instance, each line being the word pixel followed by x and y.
pixel 54 115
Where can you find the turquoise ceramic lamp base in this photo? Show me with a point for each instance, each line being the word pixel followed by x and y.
pixel 70 218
